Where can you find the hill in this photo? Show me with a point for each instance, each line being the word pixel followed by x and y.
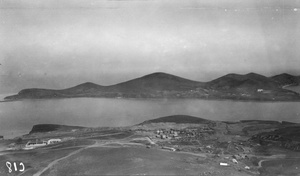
pixel 156 85
pixel 250 81
pixel 178 119
pixel 156 82
pixel 251 86
pixel 286 79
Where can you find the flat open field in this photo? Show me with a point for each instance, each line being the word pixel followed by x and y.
pixel 36 159
pixel 290 165
pixel 40 158
pixel 135 160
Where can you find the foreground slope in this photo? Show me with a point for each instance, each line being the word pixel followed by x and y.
pixel 171 145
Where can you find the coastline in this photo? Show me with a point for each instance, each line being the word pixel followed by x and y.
pixel 158 98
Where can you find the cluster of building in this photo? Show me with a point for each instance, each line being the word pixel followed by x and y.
pixel 233 161
pixel 176 134
pixel 167 134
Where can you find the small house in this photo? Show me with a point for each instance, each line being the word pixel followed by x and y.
pixel 224 164
pixel 175 134
pixel 169 148
pixel 234 161
pixel 260 90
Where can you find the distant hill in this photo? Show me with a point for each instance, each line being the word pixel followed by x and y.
pixel 251 81
pixel 251 86
pixel 156 82
pixel 286 79
pixel 178 119
pixel 156 85
pixel 147 84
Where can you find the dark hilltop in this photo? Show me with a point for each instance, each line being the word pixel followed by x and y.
pixel 178 119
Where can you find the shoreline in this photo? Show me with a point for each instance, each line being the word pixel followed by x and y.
pixel 158 98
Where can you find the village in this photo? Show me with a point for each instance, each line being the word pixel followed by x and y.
pixel 201 140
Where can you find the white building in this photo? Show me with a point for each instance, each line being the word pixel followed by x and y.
pixel 260 90
pixel 32 145
pixel 53 141
pixel 224 164
pixel 234 161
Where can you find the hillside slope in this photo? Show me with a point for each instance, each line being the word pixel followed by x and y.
pixel 250 86
pixel 250 81
pixel 286 79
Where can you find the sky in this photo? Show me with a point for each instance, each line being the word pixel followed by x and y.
pixel 62 43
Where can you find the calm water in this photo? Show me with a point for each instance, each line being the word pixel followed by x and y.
pixel 18 117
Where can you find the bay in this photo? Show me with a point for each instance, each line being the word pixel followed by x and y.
pixel 18 117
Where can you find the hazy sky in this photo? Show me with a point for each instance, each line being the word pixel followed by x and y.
pixel 62 43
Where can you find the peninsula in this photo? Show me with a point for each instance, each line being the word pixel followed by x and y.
pixel 170 145
pixel 250 86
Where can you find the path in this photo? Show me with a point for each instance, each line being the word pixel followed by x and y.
pixel 96 144
pixel 55 161
pixel 72 153
pixel 267 158
pixel 195 154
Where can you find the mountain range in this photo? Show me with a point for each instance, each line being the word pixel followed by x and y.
pixel 250 86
